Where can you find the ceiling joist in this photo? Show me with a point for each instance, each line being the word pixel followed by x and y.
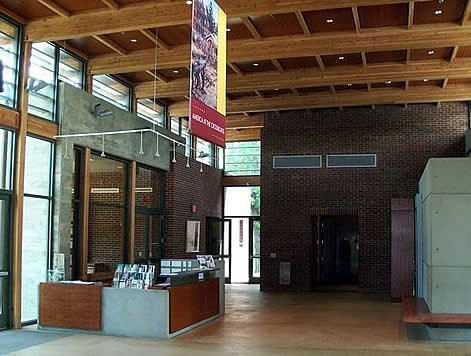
pixel 251 27
pixel 111 44
pixel 112 4
pixel 410 21
pixel 302 22
pixel 466 13
pixel 155 39
pixel 56 8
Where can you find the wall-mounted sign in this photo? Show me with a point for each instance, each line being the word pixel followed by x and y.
pixel 208 72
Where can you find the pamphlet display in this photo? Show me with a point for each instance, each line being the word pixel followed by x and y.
pixel 206 261
pixel 134 276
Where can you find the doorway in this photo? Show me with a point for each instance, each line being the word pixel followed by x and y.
pixel 5 220
pixel 218 242
pixel 336 246
pixel 147 241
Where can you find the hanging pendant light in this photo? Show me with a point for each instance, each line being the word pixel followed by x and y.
pixel 141 149
pixel 157 153
pixel 174 160
pixel 102 146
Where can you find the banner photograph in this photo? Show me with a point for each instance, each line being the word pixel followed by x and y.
pixel 208 72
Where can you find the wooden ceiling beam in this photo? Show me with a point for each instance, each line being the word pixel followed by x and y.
pixel 302 22
pixel 406 85
pixel 466 13
pixel 155 39
pixel 244 122
pixel 12 15
pixel 56 8
pixel 295 91
pixel 235 68
pixel 276 63
pixel 454 53
pixel 303 78
pixel 363 59
pixel 320 63
pixel 150 14
pixel 387 96
pixel 111 44
pixel 112 4
pixel 157 76
pixel 428 36
pixel 410 21
pixel 251 27
pixel 251 134
pixel 356 19
pixel 445 82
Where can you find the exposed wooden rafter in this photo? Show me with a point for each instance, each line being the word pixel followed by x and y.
pixel 363 59
pixel 466 13
pixel 158 76
pixel 445 83
pixel 356 19
pixel 419 37
pixel 155 39
pixel 277 65
pixel 251 27
pixel 302 22
pixel 111 44
pixel 454 53
pixel 12 15
pixel 410 21
pixel 320 63
pixel 235 68
pixel 112 4
pixel 56 8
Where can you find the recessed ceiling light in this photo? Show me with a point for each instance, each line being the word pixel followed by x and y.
pixel 341 58
pixel 387 82
pixel 425 80
pixel 329 20
pixel 228 30
pixel 349 84
pixel 188 2
pixel 430 52
pixel 133 40
pixel 438 12
pixel 119 167
pixel 176 71
pixel 277 89
pixel 255 64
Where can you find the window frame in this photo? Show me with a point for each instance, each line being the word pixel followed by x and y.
pixel 131 91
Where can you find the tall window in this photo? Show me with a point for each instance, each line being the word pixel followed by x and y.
pixel 9 50
pixel 112 90
pixel 36 222
pixel 6 155
pixel 180 126
pixel 42 80
pixel 70 69
pixel 49 63
pixel 204 151
pixel 152 112
pixel 242 158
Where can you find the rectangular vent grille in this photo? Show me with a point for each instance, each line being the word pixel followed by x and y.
pixel 104 190
pixel 351 160
pixel 304 161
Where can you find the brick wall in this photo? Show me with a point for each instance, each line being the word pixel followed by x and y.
pixel 403 140
pixel 186 187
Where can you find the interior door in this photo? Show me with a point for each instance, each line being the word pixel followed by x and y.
pixel 218 240
pixel 254 250
pixel 4 261
pixel 147 233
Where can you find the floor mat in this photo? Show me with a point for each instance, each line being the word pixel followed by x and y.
pixel 14 340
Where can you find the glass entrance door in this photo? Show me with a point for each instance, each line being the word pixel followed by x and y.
pixel 254 251
pixel 218 239
pixel 4 261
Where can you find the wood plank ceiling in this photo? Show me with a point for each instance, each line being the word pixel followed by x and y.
pixel 282 54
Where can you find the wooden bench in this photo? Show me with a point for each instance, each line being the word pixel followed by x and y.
pixel 416 311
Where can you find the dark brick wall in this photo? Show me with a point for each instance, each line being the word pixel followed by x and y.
pixel 186 187
pixel 403 139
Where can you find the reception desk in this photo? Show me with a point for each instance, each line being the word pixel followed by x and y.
pixel 164 312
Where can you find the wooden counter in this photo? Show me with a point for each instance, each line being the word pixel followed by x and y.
pixel 70 306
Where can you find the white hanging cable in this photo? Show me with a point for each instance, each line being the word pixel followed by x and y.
pixel 201 167
pixel 155 70
pixel 141 149
pixel 174 160
pixel 102 146
pixel 188 161
pixel 66 149
pixel 157 153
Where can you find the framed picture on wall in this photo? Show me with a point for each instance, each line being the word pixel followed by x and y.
pixel 193 236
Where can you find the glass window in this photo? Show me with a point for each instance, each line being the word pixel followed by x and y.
pixel 38 166
pixel 111 90
pixel 9 49
pixel 42 80
pixel 175 125
pixel 36 222
pixel 242 201
pixel 242 158
pixel 6 156
pixel 151 111
pixel 204 151
pixel 70 69
pixel 220 152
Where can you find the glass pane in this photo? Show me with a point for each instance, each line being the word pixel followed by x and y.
pixel 151 111
pixel 256 249
pixel 148 184
pixel 185 133
pixel 42 83
pixel 203 151
pixel 242 158
pixel 114 92
pixel 175 125
pixel 9 61
pixel 107 181
pixel 4 238
pixel 140 237
pixel 220 157
pixel 256 268
pixel 240 250
pixel 154 237
pixel 70 69
pixel 34 257
pixel 38 166
pixel 6 157
pixel 242 201
pixel 106 230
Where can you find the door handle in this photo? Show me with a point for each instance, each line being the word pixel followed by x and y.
pixel 3 274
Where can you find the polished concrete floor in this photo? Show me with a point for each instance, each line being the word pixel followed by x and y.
pixel 275 324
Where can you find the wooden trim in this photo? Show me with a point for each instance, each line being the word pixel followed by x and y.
pixel 9 118
pixel 248 181
pixel 89 83
pixel 234 122
pixel 18 194
pixel 84 211
pixel 132 210
pixel 42 127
